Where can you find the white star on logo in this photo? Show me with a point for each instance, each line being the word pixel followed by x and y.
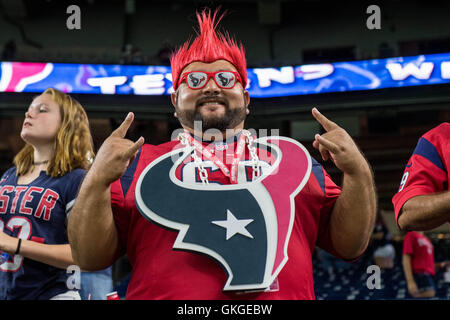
pixel 234 225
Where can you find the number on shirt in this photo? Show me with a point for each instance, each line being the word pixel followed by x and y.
pixel 24 233
pixel 403 182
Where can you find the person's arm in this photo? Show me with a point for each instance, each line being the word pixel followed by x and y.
pixel 407 269
pixel 425 212
pixel 353 216
pixel 57 255
pixel 441 265
pixel 92 232
pixel 423 201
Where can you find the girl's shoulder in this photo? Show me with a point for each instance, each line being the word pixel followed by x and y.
pixel 75 174
pixel 11 171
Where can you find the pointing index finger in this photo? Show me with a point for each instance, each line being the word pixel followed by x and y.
pixel 121 131
pixel 324 121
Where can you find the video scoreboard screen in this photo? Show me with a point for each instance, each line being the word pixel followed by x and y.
pixel 263 82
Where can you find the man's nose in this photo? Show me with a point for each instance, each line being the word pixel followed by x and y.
pixel 211 87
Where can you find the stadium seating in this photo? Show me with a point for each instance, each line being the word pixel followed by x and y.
pixel 350 283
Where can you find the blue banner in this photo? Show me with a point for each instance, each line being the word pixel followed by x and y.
pixel 263 82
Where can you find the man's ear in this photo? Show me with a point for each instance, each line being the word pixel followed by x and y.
pixel 174 98
pixel 246 101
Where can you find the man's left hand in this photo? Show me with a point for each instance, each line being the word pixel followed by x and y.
pixel 337 145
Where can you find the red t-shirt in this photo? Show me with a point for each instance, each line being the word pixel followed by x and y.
pixel 421 250
pixel 428 169
pixel 159 272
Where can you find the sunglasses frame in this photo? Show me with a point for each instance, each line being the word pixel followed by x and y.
pixel 209 75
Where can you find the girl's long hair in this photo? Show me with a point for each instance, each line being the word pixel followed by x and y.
pixel 73 146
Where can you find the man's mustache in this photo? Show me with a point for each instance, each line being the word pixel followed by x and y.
pixel 218 99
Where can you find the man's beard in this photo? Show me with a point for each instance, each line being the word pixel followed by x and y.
pixel 229 120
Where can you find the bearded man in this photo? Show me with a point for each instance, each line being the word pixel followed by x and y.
pixel 244 213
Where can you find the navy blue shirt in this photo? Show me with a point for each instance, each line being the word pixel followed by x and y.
pixel 38 212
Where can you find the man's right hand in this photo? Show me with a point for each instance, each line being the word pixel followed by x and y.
pixel 115 154
pixel 412 289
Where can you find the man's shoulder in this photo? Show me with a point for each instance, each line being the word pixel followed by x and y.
pixel 151 151
pixel 146 154
pixel 163 147
pixel 439 133
pixel 433 145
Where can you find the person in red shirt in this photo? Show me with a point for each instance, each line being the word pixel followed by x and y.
pixel 247 213
pixel 423 199
pixel 419 266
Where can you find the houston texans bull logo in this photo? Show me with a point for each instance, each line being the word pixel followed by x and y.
pixel 196 81
pixel 245 227
pixel 224 80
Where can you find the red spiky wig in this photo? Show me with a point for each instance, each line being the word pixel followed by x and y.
pixel 209 46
